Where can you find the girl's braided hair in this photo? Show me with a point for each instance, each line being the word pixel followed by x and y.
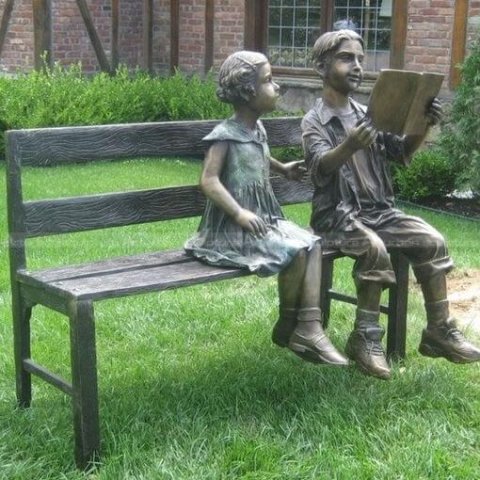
pixel 237 76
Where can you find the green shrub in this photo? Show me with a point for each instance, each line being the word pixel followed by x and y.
pixel 64 96
pixel 460 137
pixel 288 154
pixel 429 175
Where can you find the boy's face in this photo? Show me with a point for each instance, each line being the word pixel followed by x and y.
pixel 343 70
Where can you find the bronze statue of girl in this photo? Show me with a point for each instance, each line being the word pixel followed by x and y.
pixel 243 225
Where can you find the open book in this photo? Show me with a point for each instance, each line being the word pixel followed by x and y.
pixel 400 98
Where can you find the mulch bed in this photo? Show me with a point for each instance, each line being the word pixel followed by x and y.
pixel 465 207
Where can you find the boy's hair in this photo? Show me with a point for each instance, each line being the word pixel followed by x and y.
pixel 237 76
pixel 329 42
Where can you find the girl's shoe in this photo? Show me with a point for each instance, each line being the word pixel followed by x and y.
pixel 316 349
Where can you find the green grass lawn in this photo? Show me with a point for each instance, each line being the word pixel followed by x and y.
pixel 191 387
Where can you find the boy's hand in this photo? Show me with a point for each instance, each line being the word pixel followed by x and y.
pixel 361 136
pixel 251 222
pixel 295 170
pixel 434 112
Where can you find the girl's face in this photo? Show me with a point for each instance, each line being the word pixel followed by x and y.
pixel 266 91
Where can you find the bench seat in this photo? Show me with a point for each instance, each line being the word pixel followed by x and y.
pixel 126 276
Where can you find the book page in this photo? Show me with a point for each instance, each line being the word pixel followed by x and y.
pixel 399 100
pixel 427 90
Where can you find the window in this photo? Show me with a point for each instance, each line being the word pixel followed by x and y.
pixel 290 27
pixel 293 26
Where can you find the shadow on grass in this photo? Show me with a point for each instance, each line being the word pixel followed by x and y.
pixel 255 394
pixel 263 392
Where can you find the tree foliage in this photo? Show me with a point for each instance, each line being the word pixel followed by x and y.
pixel 460 137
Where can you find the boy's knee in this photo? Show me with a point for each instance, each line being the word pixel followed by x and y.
pixel 377 248
pixel 431 238
pixel 439 241
pixel 434 246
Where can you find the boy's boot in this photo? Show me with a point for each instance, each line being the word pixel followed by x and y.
pixel 364 345
pixel 442 338
pixel 284 327
pixel 310 342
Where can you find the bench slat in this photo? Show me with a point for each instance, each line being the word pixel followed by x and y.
pixel 112 265
pixel 140 280
pixel 76 214
pixel 289 192
pixel 65 145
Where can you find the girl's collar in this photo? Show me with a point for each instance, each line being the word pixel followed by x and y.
pixel 257 134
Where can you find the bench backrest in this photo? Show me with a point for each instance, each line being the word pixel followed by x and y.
pixel 60 146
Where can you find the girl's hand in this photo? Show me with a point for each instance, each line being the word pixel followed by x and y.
pixel 294 170
pixel 251 222
pixel 361 136
pixel 434 112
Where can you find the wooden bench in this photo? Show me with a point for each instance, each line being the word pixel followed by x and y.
pixel 72 290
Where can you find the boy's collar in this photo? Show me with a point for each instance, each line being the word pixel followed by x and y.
pixel 326 113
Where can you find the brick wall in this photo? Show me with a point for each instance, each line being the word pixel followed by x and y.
pixel 191 49
pixel 227 36
pixel 429 35
pixel 428 45
pixel 71 43
pixel 161 35
pixel 130 40
pixel 229 28
pixel 18 48
pixel 473 28
pixel 70 38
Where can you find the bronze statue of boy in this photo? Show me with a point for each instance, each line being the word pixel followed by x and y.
pixel 354 211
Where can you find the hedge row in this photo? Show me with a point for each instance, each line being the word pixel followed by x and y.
pixel 65 97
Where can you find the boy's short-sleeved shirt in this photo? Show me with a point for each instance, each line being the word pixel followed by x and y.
pixel 361 189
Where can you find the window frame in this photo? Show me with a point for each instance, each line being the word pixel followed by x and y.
pixel 256 26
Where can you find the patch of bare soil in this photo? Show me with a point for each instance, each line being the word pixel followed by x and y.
pixel 466 207
pixel 463 285
pixel 464 297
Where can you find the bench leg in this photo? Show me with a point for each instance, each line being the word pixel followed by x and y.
pixel 326 285
pixel 84 383
pixel 21 335
pixel 397 308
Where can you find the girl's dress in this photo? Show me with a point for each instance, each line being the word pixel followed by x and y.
pixel 246 171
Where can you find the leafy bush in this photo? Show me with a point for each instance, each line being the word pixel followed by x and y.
pixel 287 154
pixel 460 137
pixel 429 175
pixel 64 96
